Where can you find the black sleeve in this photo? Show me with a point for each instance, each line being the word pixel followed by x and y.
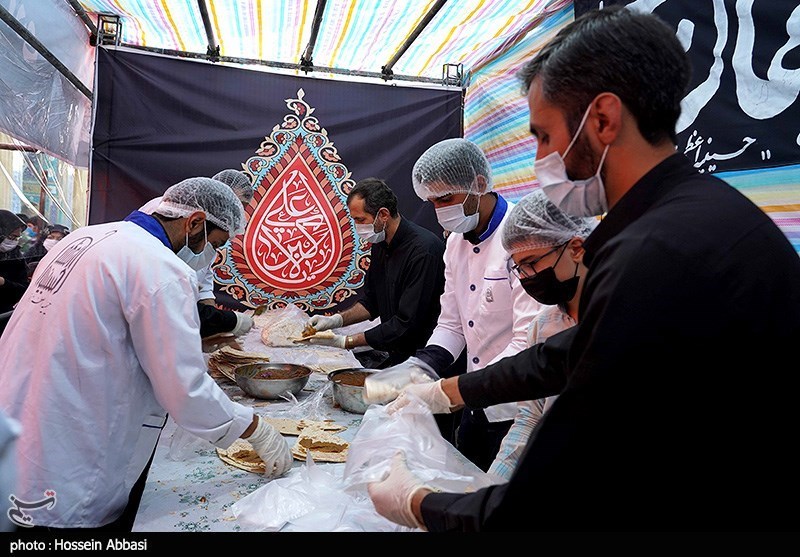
pixel 419 294
pixel 435 356
pixel 214 320
pixel 536 372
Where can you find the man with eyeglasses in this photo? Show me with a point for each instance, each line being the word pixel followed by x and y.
pixel 677 394
pixel 484 308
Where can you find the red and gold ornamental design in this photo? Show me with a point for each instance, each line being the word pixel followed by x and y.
pixel 300 245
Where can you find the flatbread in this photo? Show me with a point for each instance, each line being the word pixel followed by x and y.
pixel 321 334
pixel 315 438
pixel 323 446
pixel 288 426
pixel 242 455
pixel 299 452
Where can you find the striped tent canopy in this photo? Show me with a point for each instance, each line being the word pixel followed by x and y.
pixel 482 41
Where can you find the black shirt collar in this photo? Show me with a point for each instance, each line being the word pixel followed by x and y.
pixel 645 193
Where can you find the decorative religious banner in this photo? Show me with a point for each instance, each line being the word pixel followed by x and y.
pixel 300 245
pixel 303 142
pixel 742 110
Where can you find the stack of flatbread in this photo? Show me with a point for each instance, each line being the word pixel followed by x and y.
pixel 223 361
pixel 323 445
pixel 242 455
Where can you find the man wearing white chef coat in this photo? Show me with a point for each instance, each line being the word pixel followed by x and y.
pixel 102 345
pixel 484 307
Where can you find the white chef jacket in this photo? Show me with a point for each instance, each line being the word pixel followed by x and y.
pixel 484 306
pixel 205 278
pixel 104 342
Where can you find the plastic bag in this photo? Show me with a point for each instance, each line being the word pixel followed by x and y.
pixel 314 407
pixel 279 326
pixel 184 445
pixel 413 431
pixel 310 499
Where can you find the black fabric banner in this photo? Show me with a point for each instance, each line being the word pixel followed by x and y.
pixel 304 142
pixel 742 109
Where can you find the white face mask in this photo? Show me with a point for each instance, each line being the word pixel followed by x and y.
pixel 198 261
pixel 8 245
pixel 452 218
pixel 580 198
pixel 49 243
pixel 368 234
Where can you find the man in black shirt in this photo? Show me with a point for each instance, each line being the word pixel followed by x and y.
pixel 404 281
pixel 678 403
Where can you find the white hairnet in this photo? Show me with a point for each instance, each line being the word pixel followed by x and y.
pixel 535 222
pixel 238 182
pixel 214 198
pixel 451 166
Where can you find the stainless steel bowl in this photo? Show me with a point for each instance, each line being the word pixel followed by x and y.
pixel 269 380
pixel 350 397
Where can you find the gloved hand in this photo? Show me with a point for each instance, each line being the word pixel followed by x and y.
pixel 272 448
pixel 323 323
pixel 243 323
pixel 392 495
pixel 385 385
pixel 336 340
pixel 430 393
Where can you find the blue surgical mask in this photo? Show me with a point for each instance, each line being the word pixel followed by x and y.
pixel 580 198
pixel 198 261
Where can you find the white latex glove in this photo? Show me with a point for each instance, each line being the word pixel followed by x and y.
pixel 431 394
pixel 243 324
pixel 385 385
pixel 392 495
pixel 323 323
pixel 272 448
pixel 337 340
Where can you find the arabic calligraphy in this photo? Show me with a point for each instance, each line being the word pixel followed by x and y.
pixel 293 240
pixel 17 513
pixel 695 141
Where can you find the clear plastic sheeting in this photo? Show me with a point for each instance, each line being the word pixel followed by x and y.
pixel 38 105
pixel 412 431
pixel 310 499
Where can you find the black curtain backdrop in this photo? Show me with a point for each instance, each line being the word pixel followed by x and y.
pixel 160 120
pixel 742 108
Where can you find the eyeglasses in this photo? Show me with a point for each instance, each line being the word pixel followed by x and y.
pixel 524 270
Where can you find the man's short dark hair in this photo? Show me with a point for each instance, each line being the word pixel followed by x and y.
pixel 632 54
pixel 376 194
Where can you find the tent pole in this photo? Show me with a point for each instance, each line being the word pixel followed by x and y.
pixel 213 47
pixel 306 60
pixel 386 70
pixel 86 20
pixel 26 35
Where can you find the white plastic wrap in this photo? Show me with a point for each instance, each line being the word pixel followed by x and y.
pixel 310 499
pixel 413 431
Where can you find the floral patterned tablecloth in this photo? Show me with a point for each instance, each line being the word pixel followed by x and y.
pixel 190 489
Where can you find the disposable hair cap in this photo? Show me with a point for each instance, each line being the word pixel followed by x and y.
pixel 535 222
pixel 238 182
pixel 451 166
pixel 214 198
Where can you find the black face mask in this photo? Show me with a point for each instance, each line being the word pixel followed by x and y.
pixel 546 289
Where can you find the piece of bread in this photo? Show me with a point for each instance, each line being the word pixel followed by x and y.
pixel 315 438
